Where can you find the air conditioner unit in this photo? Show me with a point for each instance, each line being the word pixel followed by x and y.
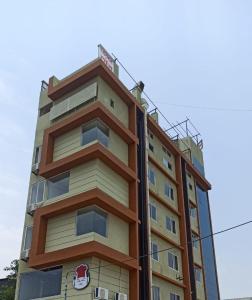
pixel 32 207
pixel 35 168
pixel 25 254
pixel 121 296
pixel 101 293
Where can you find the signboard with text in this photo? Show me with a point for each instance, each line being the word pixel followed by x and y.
pixel 106 57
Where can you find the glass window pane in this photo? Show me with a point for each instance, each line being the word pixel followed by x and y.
pixel 28 238
pixel 155 293
pixel 85 222
pixel 37 154
pixel 168 223
pixel 34 193
pixel 93 131
pixel 102 137
pixel 58 185
pixel 39 284
pixel 154 251
pixel 91 221
pixel 40 195
pixel 100 223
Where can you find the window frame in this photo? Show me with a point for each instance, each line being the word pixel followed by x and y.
pixel 151 204
pixel 174 296
pixel 153 243
pixel 37 155
pixel 198 271
pixel 37 190
pixel 58 175
pixel 25 235
pixel 96 209
pixel 43 270
pixel 102 128
pixel 154 176
pixel 173 225
pixel 170 194
pixel 158 289
pixel 175 261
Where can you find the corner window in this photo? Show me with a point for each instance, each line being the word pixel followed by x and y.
pixel 173 261
pixel 40 284
pixel 198 274
pixel 168 191
pixel 91 220
pixel 154 251
pixel 58 185
pixel 95 131
pixel 27 238
pixel 174 296
pixel 171 225
pixel 37 192
pixel 155 293
pixel 151 176
pixel 153 212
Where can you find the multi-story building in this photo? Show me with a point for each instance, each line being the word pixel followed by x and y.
pixel 115 207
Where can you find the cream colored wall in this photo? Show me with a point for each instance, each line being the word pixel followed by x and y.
pixel 161 266
pixel 166 288
pixel 159 187
pixel 105 93
pixel 70 143
pixel 61 233
pixel 110 276
pixel 160 225
pixel 95 174
pixel 159 154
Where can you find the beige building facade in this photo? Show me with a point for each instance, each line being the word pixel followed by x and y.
pixel 115 208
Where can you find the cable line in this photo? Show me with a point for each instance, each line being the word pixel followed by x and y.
pixel 175 247
pixel 207 107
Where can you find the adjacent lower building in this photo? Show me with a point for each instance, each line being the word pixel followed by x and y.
pixel 116 208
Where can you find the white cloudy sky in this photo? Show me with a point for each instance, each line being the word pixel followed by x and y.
pixel 188 52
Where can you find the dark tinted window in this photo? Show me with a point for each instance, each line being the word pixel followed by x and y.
pixel 58 185
pixel 208 256
pixel 39 284
pixel 45 109
pixel 92 220
pixel 28 238
pixel 93 131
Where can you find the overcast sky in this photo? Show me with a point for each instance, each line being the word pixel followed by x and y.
pixel 191 53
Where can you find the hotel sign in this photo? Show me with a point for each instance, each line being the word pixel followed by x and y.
pixel 81 278
pixel 106 57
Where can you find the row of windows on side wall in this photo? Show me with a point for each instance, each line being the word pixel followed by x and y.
pixel 172 259
pixel 165 161
pixel 170 223
pixel 168 190
pixel 156 294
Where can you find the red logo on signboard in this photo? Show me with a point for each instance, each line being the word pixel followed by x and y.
pixel 82 277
